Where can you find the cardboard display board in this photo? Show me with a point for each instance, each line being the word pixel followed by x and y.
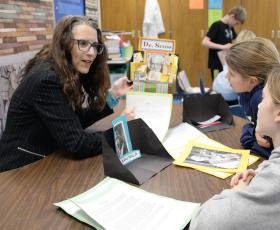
pixel 157 67
pixel 204 107
pixel 154 156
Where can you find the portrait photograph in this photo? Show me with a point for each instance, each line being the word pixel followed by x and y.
pixel 210 159
pixel 121 135
pixel 157 64
pixel 213 158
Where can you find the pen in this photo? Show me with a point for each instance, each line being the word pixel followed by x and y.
pixel 32 153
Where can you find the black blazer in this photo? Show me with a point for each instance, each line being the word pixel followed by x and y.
pixel 40 120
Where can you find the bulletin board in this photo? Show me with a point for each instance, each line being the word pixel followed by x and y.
pixel 68 7
pixel 30 1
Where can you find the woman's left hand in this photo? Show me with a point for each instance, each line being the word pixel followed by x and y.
pixel 120 87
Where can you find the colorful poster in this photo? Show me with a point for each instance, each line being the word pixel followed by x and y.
pixel 215 4
pixel 214 15
pixel 196 4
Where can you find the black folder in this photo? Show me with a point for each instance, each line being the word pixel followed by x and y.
pixel 203 107
pixel 154 156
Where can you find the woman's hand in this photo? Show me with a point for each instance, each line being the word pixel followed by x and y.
pixel 241 179
pixel 262 141
pixel 120 87
pixel 129 113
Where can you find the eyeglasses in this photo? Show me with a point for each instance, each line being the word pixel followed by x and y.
pixel 85 46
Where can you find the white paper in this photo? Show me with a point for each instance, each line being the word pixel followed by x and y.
pixel 207 141
pixel 155 109
pixel 115 205
pixel 178 137
pixel 209 121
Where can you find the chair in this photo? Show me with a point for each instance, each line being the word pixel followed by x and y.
pixel 184 88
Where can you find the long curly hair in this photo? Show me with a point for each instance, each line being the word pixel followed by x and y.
pixel 75 87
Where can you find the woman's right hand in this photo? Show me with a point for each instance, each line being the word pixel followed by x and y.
pixel 129 113
pixel 121 86
pixel 245 176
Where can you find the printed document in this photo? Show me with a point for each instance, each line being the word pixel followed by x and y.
pixel 115 205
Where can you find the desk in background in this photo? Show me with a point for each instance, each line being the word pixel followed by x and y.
pixel 27 194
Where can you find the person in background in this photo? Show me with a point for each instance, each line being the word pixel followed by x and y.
pixel 253 203
pixel 221 84
pixel 64 89
pixel 221 34
pixel 249 63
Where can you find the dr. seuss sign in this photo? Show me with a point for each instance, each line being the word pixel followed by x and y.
pixel 157 45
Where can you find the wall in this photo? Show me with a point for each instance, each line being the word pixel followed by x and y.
pixel 24 25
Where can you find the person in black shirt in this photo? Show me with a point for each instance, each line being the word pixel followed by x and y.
pixel 220 36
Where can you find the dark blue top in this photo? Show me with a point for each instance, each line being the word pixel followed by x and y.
pixel 249 102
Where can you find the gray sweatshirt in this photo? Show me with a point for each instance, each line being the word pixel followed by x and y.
pixel 257 207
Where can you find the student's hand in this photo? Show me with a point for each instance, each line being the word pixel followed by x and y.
pixel 245 176
pixel 227 46
pixel 242 184
pixel 129 113
pixel 262 141
pixel 120 87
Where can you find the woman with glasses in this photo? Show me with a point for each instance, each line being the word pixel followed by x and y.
pixel 65 88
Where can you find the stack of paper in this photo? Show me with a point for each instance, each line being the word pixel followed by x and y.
pixel 115 205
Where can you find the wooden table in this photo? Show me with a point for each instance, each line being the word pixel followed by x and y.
pixel 27 194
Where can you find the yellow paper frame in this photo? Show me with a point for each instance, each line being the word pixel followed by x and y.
pixel 242 165
pixel 223 175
